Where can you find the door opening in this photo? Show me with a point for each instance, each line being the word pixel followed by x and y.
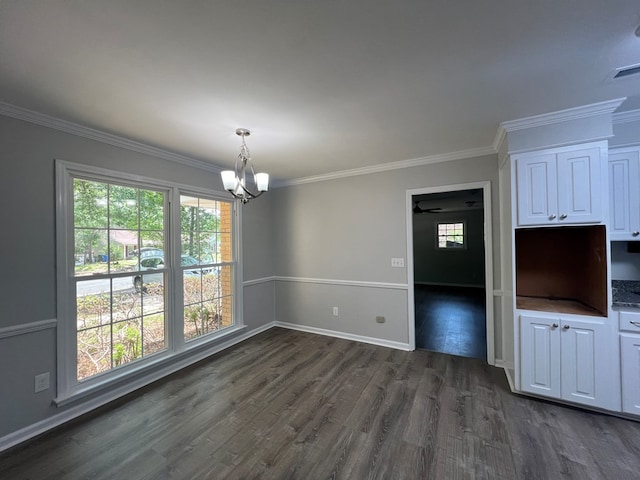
pixel 450 287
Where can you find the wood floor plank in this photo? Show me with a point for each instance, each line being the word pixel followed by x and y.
pixel 288 404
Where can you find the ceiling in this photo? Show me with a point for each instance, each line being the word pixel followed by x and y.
pixel 324 86
pixel 451 201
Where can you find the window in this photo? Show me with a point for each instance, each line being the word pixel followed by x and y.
pixel 207 265
pixel 146 270
pixel 115 322
pixel 450 236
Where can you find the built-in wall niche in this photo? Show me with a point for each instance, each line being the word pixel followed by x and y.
pixel 562 269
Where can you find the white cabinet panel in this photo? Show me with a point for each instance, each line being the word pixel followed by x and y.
pixel 579 186
pixel 583 361
pixel 630 355
pixel 537 191
pixel 540 353
pixel 624 194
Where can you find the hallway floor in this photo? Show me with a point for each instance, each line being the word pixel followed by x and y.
pixel 451 320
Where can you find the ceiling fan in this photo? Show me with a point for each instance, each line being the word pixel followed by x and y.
pixel 417 209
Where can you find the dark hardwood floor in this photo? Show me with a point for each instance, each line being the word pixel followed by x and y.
pixel 451 320
pixel 293 405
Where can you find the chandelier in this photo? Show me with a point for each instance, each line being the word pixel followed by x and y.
pixel 234 181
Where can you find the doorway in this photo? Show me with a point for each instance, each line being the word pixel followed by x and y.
pixel 450 270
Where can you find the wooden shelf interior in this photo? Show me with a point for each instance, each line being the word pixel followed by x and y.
pixel 555 306
pixel 566 264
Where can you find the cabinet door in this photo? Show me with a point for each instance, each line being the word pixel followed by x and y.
pixel 624 195
pixel 579 186
pixel 584 363
pixel 540 356
pixel 536 190
pixel 630 354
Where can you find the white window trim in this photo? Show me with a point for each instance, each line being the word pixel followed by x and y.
pixel 68 388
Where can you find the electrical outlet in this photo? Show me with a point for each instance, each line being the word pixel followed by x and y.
pixel 42 382
pixel 380 319
pixel 397 262
pixel 335 311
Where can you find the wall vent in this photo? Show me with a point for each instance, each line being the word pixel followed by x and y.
pixel 626 71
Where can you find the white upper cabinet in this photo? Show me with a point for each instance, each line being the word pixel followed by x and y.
pixel 624 194
pixel 560 186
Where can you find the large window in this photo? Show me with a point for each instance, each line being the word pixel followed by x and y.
pixel 146 269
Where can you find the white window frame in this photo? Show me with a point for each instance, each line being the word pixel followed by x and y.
pixel 451 222
pixel 69 388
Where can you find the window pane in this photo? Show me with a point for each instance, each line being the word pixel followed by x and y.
pixel 151 210
pixel 123 244
pixel 90 251
pixel 192 286
pixel 94 351
pixel 153 336
pixel 92 304
pixel 123 207
pixel 90 204
pixel 126 304
pixel 206 237
pixel 111 312
pixel 127 342
pixel 189 226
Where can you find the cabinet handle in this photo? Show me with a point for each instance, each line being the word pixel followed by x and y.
pixel 563 216
pixel 552 217
pixel 636 324
pixel 636 233
pixel 566 327
pixel 555 325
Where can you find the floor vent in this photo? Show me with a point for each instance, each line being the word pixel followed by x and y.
pixel 626 71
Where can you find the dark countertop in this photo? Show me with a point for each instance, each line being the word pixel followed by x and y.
pixel 626 293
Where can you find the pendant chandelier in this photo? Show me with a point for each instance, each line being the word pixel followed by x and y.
pixel 234 181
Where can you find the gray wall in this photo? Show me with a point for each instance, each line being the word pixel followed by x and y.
pixel 27 261
pixel 624 265
pixel 347 230
pixel 464 267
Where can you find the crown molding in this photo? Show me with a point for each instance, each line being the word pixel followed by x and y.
pixel 38 118
pixel 498 140
pixel 626 117
pixel 385 167
pixel 566 115
pixel 563 115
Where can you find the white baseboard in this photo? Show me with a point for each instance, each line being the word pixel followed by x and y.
pixel 509 373
pixel 347 336
pixel 42 426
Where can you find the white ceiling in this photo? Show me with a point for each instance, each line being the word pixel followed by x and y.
pixel 324 86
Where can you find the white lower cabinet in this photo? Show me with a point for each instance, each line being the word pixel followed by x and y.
pixel 630 364
pixel 566 358
pixel 630 360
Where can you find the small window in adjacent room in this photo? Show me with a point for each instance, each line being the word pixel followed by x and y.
pixel 451 236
